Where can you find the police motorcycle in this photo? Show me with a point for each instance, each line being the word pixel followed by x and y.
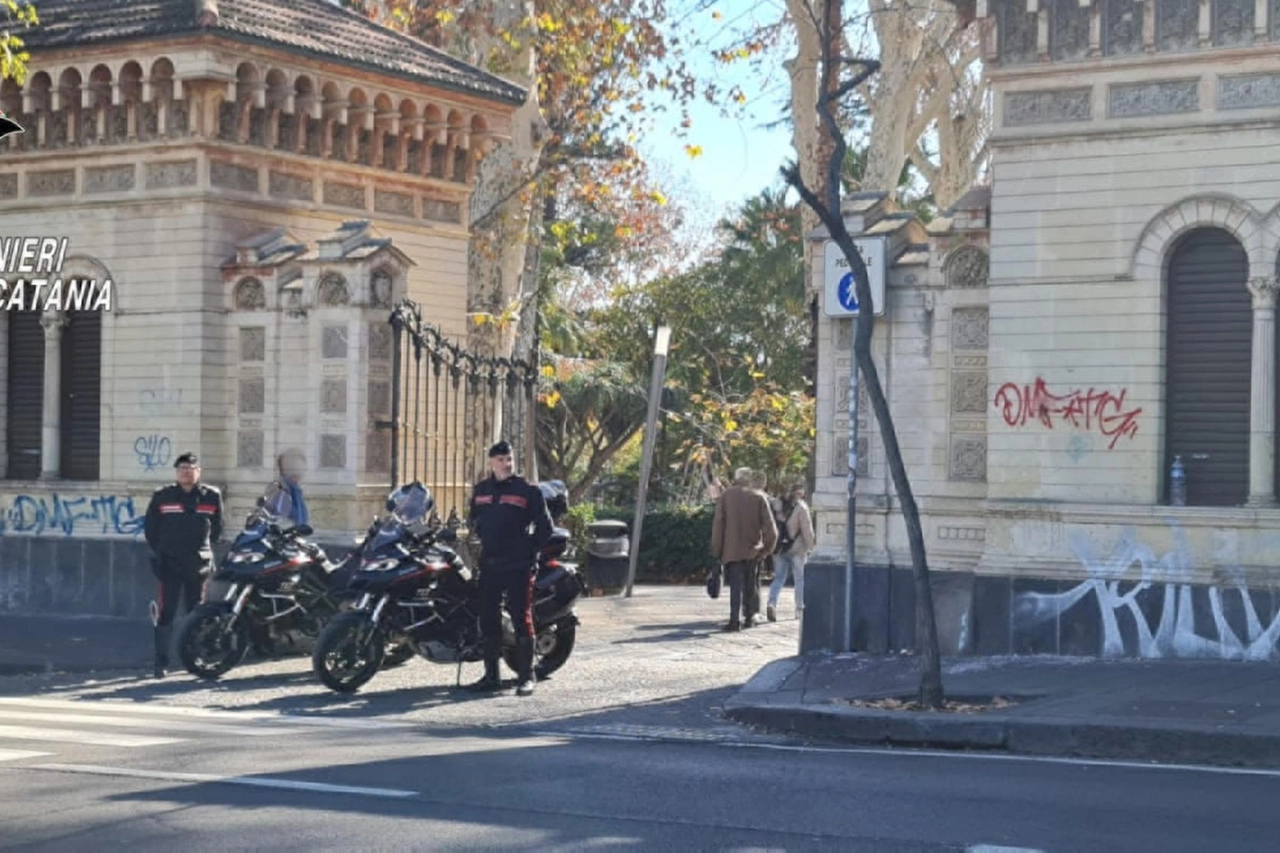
pixel 279 591
pixel 416 589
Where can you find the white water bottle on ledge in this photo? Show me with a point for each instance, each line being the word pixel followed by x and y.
pixel 1177 483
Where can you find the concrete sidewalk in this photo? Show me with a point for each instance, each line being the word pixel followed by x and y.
pixel 46 643
pixel 1189 711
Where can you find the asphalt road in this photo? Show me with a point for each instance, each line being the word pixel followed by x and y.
pixel 624 749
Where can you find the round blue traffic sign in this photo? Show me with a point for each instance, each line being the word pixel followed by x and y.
pixel 847 292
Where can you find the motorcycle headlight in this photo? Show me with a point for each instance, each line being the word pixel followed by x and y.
pixel 380 565
pixel 246 557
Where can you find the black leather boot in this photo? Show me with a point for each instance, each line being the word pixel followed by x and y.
pixel 490 682
pixel 524 657
pixel 162 638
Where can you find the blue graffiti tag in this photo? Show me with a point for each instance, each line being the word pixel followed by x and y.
pixel 153 451
pixel 86 516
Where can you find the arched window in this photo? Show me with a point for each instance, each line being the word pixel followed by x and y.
pixel 24 392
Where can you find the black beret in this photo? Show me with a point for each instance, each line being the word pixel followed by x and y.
pixel 187 458
pixel 502 448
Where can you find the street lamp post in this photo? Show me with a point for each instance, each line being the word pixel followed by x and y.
pixel 661 340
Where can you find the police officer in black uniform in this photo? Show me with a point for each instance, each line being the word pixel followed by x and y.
pixel 183 521
pixel 510 516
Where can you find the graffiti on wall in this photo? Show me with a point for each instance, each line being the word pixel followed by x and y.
pixel 71 515
pixel 1162 611
pixel 1088 410
pixel 153 451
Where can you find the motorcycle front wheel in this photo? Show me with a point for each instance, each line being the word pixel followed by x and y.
pixel 348 652
pixel 209 643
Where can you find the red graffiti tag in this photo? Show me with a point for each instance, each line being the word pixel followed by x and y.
pixel 1100 410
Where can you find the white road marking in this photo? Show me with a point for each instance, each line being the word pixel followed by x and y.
pixel 20 754
pixel 992 848
pixel 157 709
pixel 254 781
pixel 56 719
pixel 916 753
pixel 73 736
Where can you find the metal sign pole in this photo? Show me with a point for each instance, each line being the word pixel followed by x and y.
pixel 661 341
pixel 851 531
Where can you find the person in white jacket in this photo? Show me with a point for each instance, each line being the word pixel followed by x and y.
pixel 796 541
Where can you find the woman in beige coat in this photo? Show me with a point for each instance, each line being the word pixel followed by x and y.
pixel 796 527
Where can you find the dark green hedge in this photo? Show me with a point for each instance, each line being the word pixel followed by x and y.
pixel 676 540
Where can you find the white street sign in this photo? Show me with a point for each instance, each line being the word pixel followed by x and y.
pixel 841 298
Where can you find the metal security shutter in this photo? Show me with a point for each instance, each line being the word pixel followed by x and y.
pixel 25 392
pixel 81 395
pixel 1209 358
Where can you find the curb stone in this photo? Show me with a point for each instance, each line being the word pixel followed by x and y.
pixel 1017 736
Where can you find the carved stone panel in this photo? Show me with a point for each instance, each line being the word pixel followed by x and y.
pixel 1166 97
pixel 968 458
pixel 51 183
pixel 441 211
pixel 840 456
pixel 396 204
pixel 1122 27
pixel 1068 30
pixel 968 391
pixel 249 448
pixel 332 290
pixel 109 179
pixel 333 342
pixel 1249 91
pixel 229 176
pixel 344 195
pixel 969 328
pixel 290 187
pixel 377 451
pixel 9 186
pixel 379 398
pixel 333 451
pixel 333 396
pixel 176 173
pixel 1047 106
pixel 1016 31
pixel 1177 25
pixel 380 340
pixel 252 396
pixel 968 266
pixel 253 343
pixel 250 295
pixel 1232 24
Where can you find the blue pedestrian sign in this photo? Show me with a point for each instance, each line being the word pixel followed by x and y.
pixel 841 293
pixel 847 292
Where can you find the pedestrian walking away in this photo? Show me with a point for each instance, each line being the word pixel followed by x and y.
pixel 743 533
pixel 796 540
pixel 510 516
pixel 183 521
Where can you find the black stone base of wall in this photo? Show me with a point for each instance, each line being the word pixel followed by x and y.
pixel 985 615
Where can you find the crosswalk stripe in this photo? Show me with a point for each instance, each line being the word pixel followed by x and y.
pixel 75 736
pixel 55 720
pixel 19 754
pixel 269 717
pixel 254 781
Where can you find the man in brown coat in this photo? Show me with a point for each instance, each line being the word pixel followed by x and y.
pixel 743 532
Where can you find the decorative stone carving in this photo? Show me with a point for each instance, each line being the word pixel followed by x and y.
pixel 1068 30
pixel 967 266
pixel 250 295
pixel 252 396
pixel 253 343
pixel 968 392
pixel 1263 289
pixel 969 327
pixel 8 186
pixel 1275 20
pixel 840 456
pixel 249 448
pixel 379 397
pixel 1047 106
pixel 441 211
pixel 333 290
pixel 1177 25
pixel 333 396
pixel 380 341
pixel 1122 27
pixel 968 459
pixel 109 179
pixel 380 286
pixel 1166 97
pixel 177 173
pixel 344 195
pixel 1017 32
pixel 229 176
pixel 333 451
pixel 377 451
pixel 1249 91
pixel 50 183
pixel 1232 24
pixel 333 342
pixel 396 204
pixel 290 187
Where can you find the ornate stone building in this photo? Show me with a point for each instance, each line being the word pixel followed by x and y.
pixel 261 181
pixel 1104 309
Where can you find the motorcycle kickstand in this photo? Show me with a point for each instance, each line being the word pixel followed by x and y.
pixel 459 670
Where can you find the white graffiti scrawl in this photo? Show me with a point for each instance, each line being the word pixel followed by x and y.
pixel 1169 574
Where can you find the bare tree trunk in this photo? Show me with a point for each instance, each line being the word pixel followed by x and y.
pixel 828 209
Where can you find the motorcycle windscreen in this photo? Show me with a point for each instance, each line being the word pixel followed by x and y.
pixel 277 501
pixel 387 534
pixel 412 503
